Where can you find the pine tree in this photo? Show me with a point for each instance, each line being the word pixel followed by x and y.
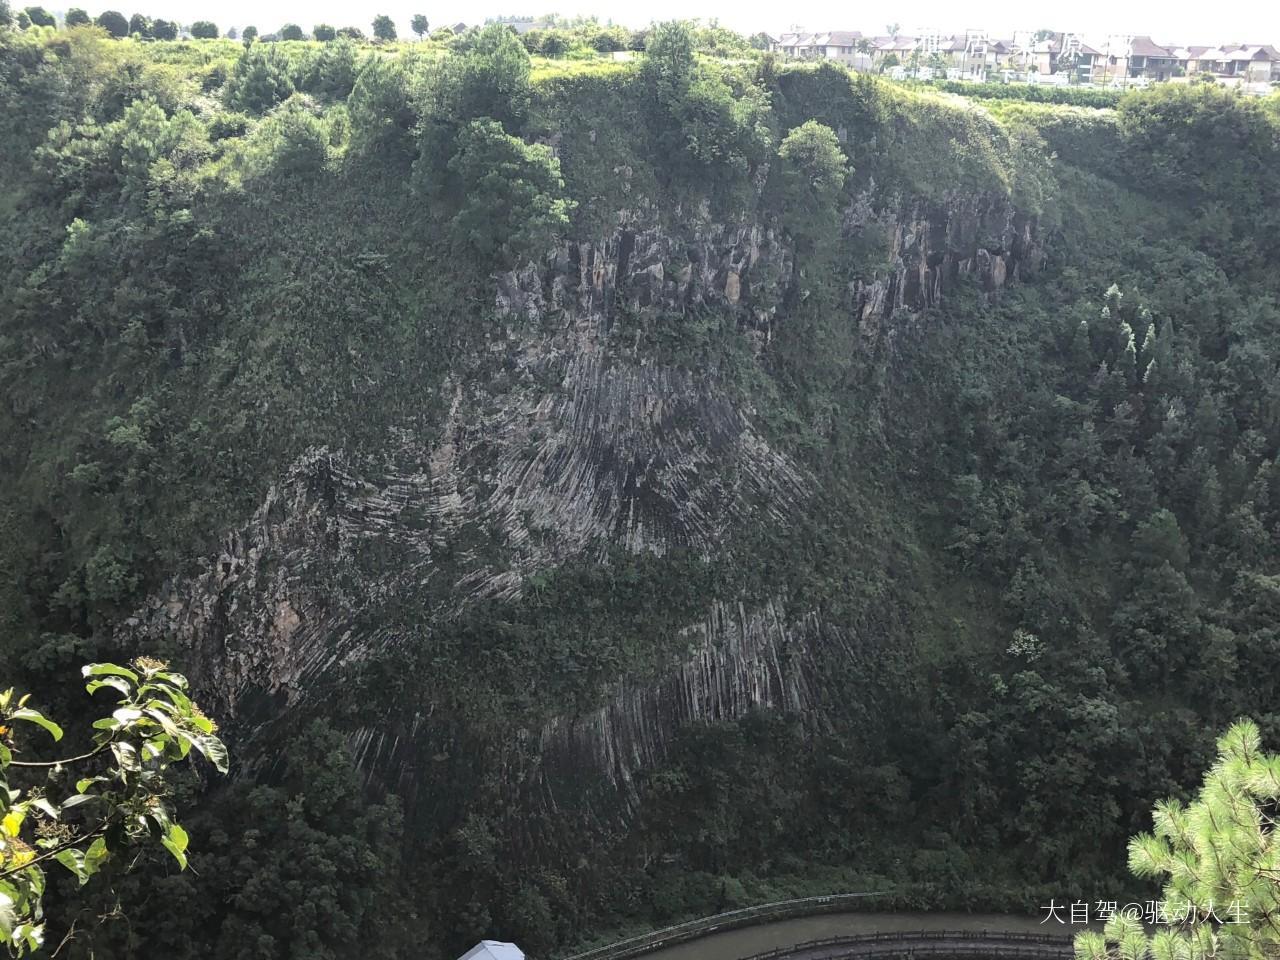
pixel 1221 859
pixel 1081 347
pixel 1149 342
pixel 1128 354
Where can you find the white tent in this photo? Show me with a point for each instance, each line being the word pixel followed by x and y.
pixel 493 950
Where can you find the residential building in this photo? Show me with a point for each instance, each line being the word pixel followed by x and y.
pixel 1066 57
pixel 843 46
pixel 1065 53
pixel 521 25
pixel 1195 59
pixel 1252 63
pixel 1147 60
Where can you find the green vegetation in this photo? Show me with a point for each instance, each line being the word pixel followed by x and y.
pixel 1033 93
pixel 1035 560
pixel 1218 854
pixel 120 799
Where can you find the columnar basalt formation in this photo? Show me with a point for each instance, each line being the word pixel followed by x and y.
pixel 566 440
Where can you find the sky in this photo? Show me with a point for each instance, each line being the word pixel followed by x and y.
pixel 1172 21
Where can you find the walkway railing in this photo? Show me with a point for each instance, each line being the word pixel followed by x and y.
pixel 731 920
pixel 915 943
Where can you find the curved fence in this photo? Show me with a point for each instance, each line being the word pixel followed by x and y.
pixel 732 920
pixel 933 943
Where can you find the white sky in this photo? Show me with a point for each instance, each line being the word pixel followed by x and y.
pixel 1176 21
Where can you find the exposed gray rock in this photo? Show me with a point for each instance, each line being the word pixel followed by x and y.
pixel 571 444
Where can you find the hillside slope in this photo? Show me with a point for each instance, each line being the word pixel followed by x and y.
pixel 598 498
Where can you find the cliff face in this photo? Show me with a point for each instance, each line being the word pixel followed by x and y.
pixel 568 440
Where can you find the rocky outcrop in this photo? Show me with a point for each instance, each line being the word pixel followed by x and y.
pixel 742 659
pixel 932 247
pixel 567 439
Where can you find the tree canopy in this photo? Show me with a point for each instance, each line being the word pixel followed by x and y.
pixel 384 28
pixel 121 799
pixel 113 22
pixel 1218 857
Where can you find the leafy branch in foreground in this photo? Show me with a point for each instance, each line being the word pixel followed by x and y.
pixel 120 798
pixel 1221 857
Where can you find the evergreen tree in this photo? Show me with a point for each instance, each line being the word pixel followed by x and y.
pixel 1218 856
pixel 76 18
pixel 813 172
pixel 259 80
pixel 419 25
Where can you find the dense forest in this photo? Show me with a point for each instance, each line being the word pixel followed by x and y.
pixel 592 492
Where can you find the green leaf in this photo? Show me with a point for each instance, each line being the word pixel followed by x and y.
pixel 8 916
pixel 44 806
pixel 108 670
pixel 164 720
pixel 214 750
pixel 168 676
pixel 175 841
pixel 126 755
pixel 6 756
pixel 95 856
pixel 116 683
pixel 31 934
pixel 39 719
pixel 11 823
pixel 126 715
pixel 73 860
pixel 86 783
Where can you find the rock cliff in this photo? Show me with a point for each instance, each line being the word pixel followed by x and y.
pixel 568 439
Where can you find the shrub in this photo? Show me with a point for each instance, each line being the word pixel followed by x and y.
pixel 290 140
pixel 260 80
pixel 382 118
pixel 1033 92
pixel 332 74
